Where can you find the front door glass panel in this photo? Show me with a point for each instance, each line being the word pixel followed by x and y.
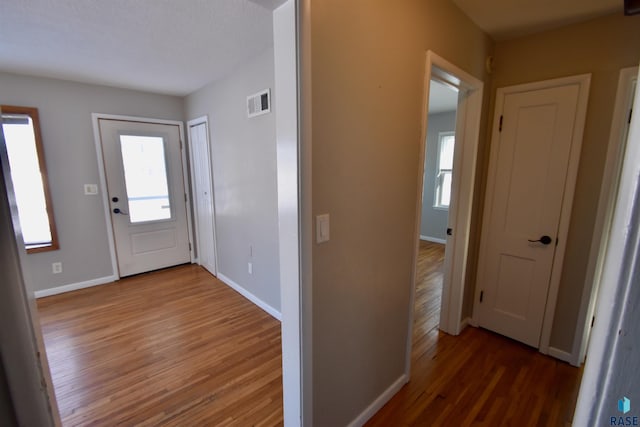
pixel 145 175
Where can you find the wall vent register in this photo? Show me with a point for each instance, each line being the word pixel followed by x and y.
pixel 259 103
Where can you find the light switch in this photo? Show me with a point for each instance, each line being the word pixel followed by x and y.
pixel 90 189
pixel 322 228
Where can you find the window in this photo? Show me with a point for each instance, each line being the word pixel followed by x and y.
pixel 446 143
pixel 145 176
pixel 21 129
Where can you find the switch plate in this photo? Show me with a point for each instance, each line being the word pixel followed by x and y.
pixel 90 189
pixel 56 267
pixel 322 228
pixel 250 268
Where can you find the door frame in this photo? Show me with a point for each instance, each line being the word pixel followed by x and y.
pixel 191 123
pixel 606 369
pixel 95 119
pixel 606 207
pixel 464 171
pixel 583 81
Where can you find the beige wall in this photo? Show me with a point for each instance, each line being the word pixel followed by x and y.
pixel 367 70
pixel 602 47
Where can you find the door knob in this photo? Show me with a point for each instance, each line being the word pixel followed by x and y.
pixel 118 211
pixel 114 199
pixel 545 240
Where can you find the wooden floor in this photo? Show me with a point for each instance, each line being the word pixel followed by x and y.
pixel 478 378
pixel 175 347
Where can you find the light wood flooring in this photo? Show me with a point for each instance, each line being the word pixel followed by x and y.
pixel 478 378
pixel 177 347
pixel 173 348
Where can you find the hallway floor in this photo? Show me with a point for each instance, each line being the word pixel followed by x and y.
pixel 477 378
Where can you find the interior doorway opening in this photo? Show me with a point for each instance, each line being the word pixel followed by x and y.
pixel 452 106
pixel 436 200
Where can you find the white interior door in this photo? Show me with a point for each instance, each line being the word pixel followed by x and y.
pixel 203 195
pixel 527 179
pixel 143 168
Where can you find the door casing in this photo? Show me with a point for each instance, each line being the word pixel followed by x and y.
pixel 583 81
pixel 606 204
pixel 464 171
pixel 95 117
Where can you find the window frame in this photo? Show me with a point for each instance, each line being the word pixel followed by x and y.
pixel 439 177
pixel 32 112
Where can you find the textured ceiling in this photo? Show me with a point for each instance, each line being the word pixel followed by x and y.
pixel 505 19
pixel 164 46
pixel 177 46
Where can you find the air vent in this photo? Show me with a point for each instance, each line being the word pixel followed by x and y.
pixel 259 103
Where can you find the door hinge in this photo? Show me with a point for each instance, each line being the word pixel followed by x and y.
pixel 557 240
pixel 189 246
pixel 630 114
pixel 481 295
pixel 181 144
pixel 185 198
pixel 593 320
pixel 500 126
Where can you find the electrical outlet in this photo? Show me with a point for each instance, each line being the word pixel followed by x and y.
pixel 250 267
pixel 56 267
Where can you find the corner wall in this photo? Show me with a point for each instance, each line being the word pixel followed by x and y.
pixel 243 152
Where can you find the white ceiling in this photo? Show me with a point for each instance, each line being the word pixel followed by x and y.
pixel 505 19
pixel 164 46
pixel 177 46
pixel 442 98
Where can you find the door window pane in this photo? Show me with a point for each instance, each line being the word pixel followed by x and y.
pixel 145 175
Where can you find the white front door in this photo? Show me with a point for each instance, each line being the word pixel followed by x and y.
pixel 527 177
pixel 203 195
pixel 143 168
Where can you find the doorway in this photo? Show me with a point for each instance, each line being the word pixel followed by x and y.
pixel 619 133
pixel 143 186
pixel 535 153
pixel 436 199
pixel 446 185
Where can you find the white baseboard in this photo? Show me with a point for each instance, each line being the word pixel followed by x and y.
pixel 433 239
pixel 560 354
pixel 465 322
pixel 251 297
pixel 74 286
pixel 473 322
pixel 380 401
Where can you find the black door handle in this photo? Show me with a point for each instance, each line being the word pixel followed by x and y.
pixel 118 211
pixel 545 240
